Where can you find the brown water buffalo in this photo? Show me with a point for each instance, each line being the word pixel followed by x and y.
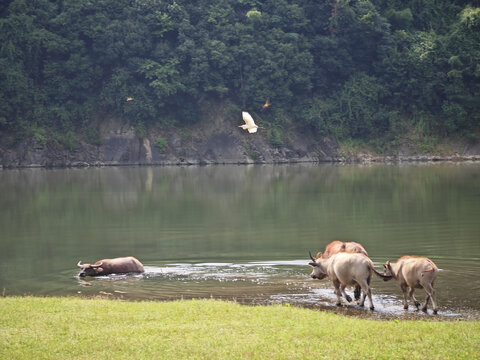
pixel 346 269
pixel 414 272
pixel 120 265
pixel 338 246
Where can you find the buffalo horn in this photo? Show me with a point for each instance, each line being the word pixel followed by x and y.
pixel 311 256
pixel 80 264
pixel 97 266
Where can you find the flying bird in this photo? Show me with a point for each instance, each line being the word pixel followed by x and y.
pixel 130 99
pixel 266 105
pixel 249 123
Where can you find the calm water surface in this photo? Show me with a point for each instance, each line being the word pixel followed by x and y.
pixel 240 232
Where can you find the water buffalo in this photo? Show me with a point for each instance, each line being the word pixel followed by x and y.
pixel 414 272
pixel 111 266
pixel 338 246
pixel 346 269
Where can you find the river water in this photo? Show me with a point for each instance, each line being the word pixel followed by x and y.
pixel 240 232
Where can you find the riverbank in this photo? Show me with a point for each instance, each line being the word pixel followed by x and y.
pixel 68 328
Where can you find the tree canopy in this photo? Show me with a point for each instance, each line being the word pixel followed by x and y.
pixel 361 69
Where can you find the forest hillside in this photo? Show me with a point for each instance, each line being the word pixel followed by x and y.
pixel 352 74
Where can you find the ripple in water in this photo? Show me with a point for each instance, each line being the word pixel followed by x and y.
pixel 258 282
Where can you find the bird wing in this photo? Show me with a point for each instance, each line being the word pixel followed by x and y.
pixel 252 130
pixel 248 118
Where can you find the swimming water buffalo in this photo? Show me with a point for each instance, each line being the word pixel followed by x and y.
pixel 338 246
pixel 120 265
pixel 346 269
pixel 414 272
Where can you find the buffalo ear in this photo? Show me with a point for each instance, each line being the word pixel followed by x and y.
pixel 319 255
pixel 98 270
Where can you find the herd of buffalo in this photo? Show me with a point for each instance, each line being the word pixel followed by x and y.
pixel 348 264
pixel 344 263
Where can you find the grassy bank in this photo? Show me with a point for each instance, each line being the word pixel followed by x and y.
pixel 68 328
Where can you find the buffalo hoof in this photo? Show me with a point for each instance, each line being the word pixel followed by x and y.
pixel 417 304
pixel 349 299
pixel 372 307
pixel 338 304
pixel 405 307
pixel 357 293
pixel 435 311
pixel 424 310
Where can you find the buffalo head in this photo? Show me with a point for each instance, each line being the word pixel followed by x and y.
pixel 89 269
pixel 317 272
pixel 388 271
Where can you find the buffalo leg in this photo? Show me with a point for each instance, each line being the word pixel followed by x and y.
pixel 364 295
pixel 369 293
pixel 405 299
pixel 424 307
pixel 430 295
pixel 362 299
pixel 417 303
pixel 347 297
pixel 434 302
pixel 338 293
pixel 366 292
pixel 339 296
pixel 357 292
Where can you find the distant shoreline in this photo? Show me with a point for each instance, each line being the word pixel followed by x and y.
pixel 357 159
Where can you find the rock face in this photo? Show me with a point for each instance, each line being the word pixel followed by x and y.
pixel 215 139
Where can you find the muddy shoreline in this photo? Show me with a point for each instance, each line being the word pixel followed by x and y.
pixel 350 310
pixel 360 159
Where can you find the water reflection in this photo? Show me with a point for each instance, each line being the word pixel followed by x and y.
pixel 240 216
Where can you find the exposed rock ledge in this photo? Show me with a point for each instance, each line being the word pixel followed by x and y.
pixel 213 140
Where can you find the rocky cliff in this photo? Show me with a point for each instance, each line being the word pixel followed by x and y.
pixel 214 139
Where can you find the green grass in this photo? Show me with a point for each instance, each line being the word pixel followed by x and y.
pixel 69 328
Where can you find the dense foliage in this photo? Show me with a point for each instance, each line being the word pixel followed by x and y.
pixel 364 69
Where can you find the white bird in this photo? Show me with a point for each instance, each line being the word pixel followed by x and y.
pixel 249 123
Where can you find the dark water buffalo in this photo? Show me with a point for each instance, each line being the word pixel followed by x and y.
pixel 339 246
pixel 346 269
pixel 414 272
pixel 111 266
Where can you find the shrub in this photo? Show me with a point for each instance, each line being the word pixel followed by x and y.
pixel 274 135
pixel 161 144
pixel 92 136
